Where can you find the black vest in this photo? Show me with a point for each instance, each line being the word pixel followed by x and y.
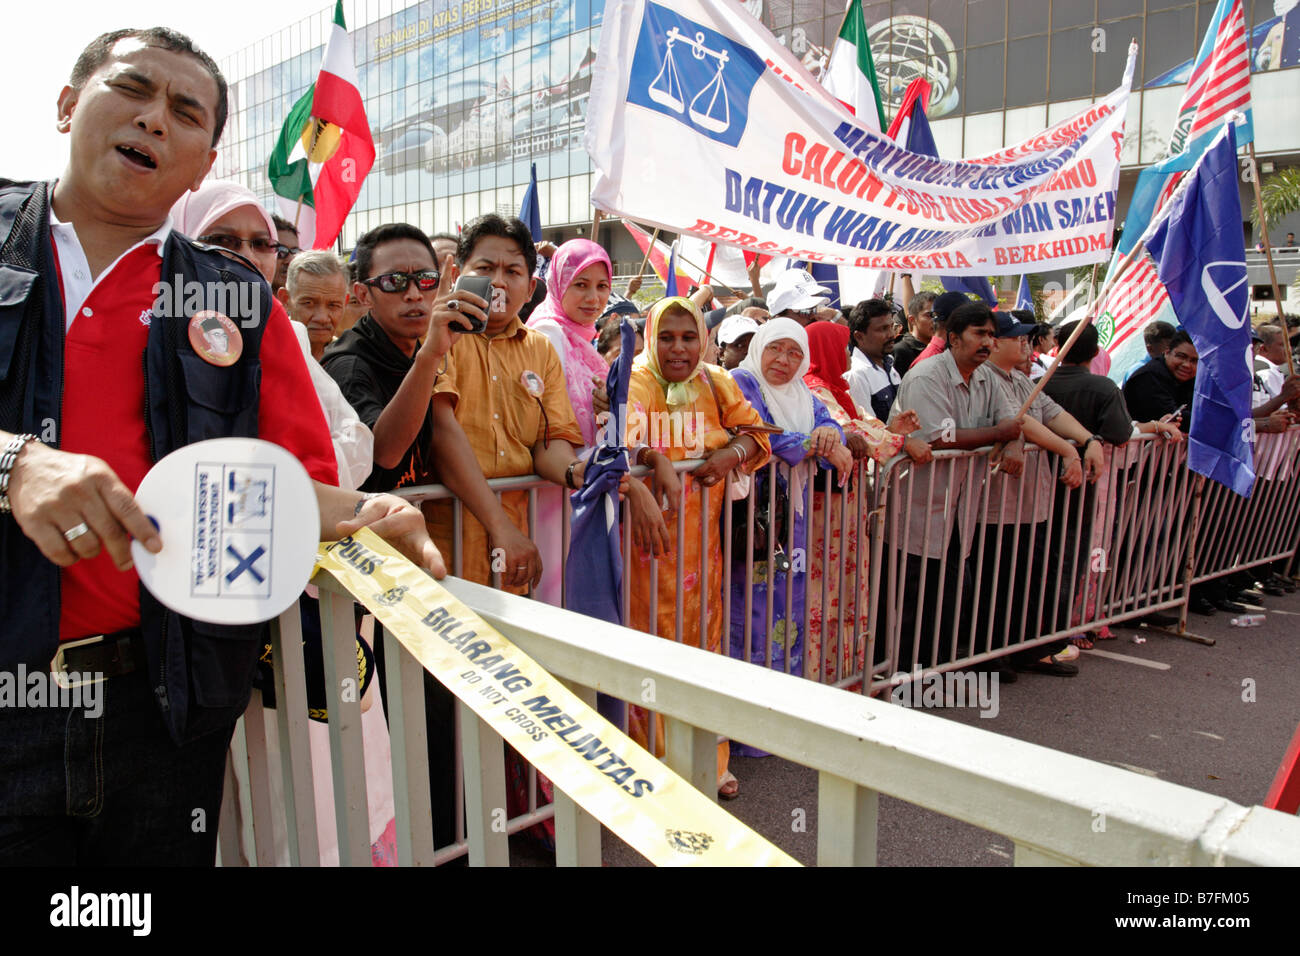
pixel 201 673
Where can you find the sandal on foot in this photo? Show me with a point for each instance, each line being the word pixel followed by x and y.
pixel 728 786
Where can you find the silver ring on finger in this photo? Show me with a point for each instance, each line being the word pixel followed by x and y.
pixel 454 305
pixel 76 531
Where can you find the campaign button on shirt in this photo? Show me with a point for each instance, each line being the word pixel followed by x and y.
pixel 215 338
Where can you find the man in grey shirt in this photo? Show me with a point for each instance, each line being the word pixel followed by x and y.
pixel 1016 603
pixel 960 406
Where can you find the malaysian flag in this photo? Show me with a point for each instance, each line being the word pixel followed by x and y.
pixel 1136 298
pixel 1220 82
pixel 1219 85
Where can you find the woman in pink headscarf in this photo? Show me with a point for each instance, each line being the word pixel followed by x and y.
pixel 577 290
pixel 229 216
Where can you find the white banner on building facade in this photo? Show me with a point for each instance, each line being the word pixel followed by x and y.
pixel 701 123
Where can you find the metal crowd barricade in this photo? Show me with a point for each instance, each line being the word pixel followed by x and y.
pixel 972 566
pixel 953 567
pixel 1242 533
pixel 908 566
pixel 1045 801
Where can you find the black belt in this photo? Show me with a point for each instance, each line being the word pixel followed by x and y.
pixel 93 659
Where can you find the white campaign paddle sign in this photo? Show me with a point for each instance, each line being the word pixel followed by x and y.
pixel 239 525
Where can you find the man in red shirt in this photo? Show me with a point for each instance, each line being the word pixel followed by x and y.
pixel 144 110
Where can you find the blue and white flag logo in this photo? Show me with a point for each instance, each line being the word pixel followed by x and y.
pixel 1224 286
pixel 693 74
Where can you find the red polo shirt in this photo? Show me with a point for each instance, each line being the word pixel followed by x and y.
pixel 103 416
pixel 932 348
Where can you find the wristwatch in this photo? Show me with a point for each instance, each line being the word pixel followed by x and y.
pixel 13 448
pixel 1083 450
pixel 568 473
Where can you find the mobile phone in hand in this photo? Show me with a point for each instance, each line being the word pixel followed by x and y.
pixel 480 286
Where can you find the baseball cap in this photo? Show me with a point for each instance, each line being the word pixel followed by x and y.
pixel 735 327
pixel 944 305
pixel 796 289
pixel 621 306
pixel 1009 327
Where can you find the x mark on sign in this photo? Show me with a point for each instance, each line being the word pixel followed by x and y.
pixel 245 564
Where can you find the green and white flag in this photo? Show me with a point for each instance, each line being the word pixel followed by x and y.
pixel 329 120
pixel 851 74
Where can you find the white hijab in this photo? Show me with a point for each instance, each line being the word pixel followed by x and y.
pixel 791 404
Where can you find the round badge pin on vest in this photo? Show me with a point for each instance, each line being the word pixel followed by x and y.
pixel 239 525
pixel 215 338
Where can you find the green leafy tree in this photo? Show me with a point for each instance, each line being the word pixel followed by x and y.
pixel 1280 195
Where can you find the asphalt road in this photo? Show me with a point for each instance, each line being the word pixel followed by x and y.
pixel 1165 707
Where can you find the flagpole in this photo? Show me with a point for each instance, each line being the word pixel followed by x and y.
pixel 634 283
pixel 311 148
pixel 1268 254
pixel 1092 283
pixel 1078 329
pixel 706 276
pixel 640 271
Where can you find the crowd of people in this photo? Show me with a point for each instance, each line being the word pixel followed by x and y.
pixel 381 375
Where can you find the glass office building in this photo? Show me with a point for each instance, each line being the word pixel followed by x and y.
pixel 463 96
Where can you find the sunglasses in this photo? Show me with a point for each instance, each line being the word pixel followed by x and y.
pixel 426 281
pixel 284 252
pixel 259 244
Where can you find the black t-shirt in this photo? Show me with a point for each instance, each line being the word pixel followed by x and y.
pixel 905 352
pixel 1094 400
pixel 369 369
pixel 1152 392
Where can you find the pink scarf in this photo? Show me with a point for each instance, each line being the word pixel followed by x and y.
pixel 582 361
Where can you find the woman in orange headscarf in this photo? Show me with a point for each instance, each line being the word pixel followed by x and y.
pixel 680 408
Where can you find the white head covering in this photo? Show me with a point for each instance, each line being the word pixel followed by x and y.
pixel 196 211
pixel 791 404
pixel 796 289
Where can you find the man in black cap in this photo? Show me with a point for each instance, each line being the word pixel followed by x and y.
pixel 1015 537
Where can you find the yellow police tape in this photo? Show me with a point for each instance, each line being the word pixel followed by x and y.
pixel 619 783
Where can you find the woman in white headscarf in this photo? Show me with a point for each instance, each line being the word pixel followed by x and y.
pixel 771 378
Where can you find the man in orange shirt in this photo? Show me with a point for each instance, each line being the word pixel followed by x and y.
pixel 502 400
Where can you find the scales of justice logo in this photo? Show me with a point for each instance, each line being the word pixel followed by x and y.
pixel 692 74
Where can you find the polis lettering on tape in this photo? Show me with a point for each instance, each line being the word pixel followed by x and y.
pixel 600 768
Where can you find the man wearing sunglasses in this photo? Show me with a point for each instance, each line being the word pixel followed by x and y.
pixel 387 366
pixel 286 249
pixel 388 363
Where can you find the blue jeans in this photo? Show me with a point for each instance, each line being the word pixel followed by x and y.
pixel 108 790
